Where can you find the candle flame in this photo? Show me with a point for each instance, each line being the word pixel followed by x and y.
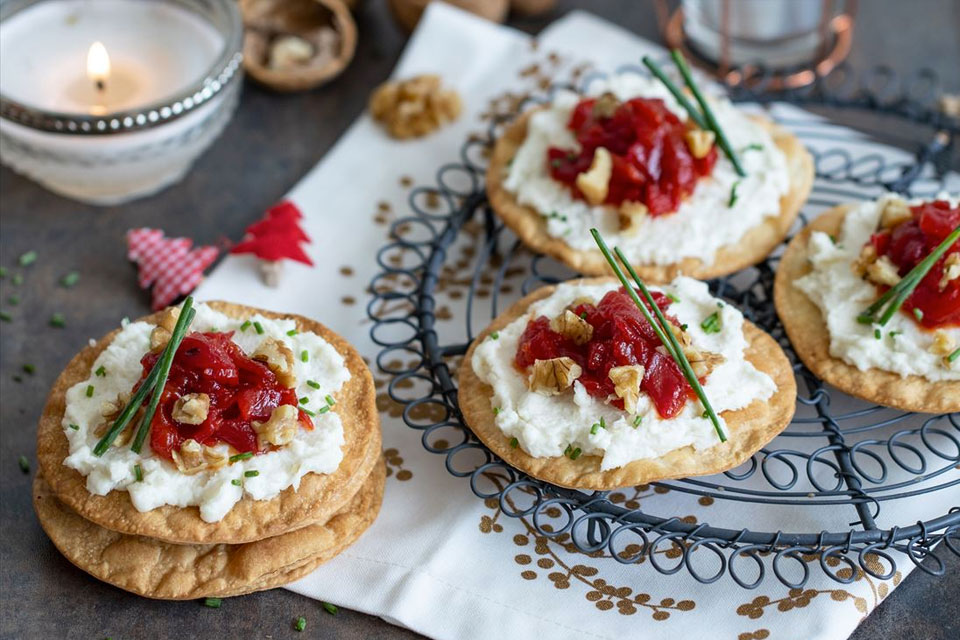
pixel 98 64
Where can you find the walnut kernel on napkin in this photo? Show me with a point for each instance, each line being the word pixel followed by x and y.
pixel 413 108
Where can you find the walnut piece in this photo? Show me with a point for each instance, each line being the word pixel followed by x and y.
pixel 682 336
pixel 279 358
pixel 552 376
pixel 699 141
pixel 606 105
pixel 169 318
pixel 194 457
pixel 415 107
pixel 191 408
pixel 572 327
pixel 110 411
pixel 630 214
pixel 943 344
pixel 702 362
pixel 159 338
pixel 883 271
pixel 951 270
pixel 626 381
pixel 594 183
pixel 868 256
pixel 895 211
pixel 288 52
pixel 280 428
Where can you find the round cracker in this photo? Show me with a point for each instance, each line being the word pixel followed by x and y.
pixel 810 338
pixel 754 246
pixel 749 428
pixel 168 571
pixel 318 497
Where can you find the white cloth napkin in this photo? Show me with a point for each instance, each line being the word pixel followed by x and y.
pixel 438 560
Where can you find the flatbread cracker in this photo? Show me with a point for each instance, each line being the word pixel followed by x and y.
pixel 318 496
pixel 157 569
pixel 810 338
pixel 750 428
pixel 754 246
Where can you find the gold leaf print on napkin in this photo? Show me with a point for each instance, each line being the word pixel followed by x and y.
pixel 395 465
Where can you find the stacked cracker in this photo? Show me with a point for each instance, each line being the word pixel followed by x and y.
pixel 170 552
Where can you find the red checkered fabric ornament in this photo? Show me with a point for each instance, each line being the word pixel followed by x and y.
pixel 170 265
pixel 277 236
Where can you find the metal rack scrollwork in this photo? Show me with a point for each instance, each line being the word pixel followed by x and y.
pixel 860 459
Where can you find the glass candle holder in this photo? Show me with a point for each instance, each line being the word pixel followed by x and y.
pixel 108 101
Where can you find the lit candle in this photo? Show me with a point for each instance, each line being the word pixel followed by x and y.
pixel 108 100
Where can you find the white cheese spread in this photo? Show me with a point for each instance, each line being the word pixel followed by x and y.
pixel 545 425
pixel 705 221
pixel 316 451
pixel 903 346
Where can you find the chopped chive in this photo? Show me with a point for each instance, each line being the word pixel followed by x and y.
pixel 496 410
pixel 673 298
pixel 894 334
pixel 514 443
pixel 329 608
pixel 213 603
pixel 733 194
pixel 756 146
pixel 236 482
pixel 70 279
pixel 101 371
pixel 324 409
pixel 246 325
pixel 494 335
pixel 575 454
pixel 24 464
pixel 330 400
pixel 17 279
pixel 684 326
pixel 583 315
pixel 918 314
pixel 304 400
pixel 312 413
pixel 17 378
pixel 637 421
pixel 595 428
pixel 719 305
pixel 603 423
pixel 567 451
pixel 711 324
pixel 3 272
pixel 241 456
pixel 75 427
pixel 57 320
pixel 300 623
pixel 292 332
pixel 314 384
pixel 877 334
pixel 28 258
pixel 304 356
pixel 14 299
pixel 138 472
pixel 6 317
pixel 253 473
pixel 29 368
pixel 833 239
pixel 258 327
pixel 90 390
pixel 953 356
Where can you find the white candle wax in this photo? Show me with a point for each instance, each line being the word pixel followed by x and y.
pixel 170 89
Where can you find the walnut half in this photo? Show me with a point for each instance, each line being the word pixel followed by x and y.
pixel 550 377
pixel 191 408
pixel 626 381
pixel 279 358
pixel 572 327
pixel 280 428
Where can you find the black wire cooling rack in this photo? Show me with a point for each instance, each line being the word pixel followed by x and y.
pixel 841 460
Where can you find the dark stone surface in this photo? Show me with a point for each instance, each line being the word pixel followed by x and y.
pixel 270 144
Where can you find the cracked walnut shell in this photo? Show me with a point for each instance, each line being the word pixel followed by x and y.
pixel 414 107
pixel 552 376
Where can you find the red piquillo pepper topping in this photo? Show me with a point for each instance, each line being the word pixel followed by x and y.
pixel 935 303
pixel 241 391
pixel 621 337
pixel 652 163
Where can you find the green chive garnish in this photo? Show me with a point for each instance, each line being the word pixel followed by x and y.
pixel 6 317
pixel 90 390
pixel 213 603
pixel 258 327
pixel 567 451
pixel 17 279
pixel 236 482
pixel 312 413
pixel 253 473
pixel 675 91
pixel 494 335
pixel 138 473
pixel 637 421
pixel 162 367
pixel 57 320
pixel 70 279
pixel 75 427
pixel 101 371
pixel 3 272
pixel 514 443
pixel 304 356
pixel 24 464
pixel 28 258
pixel 312 383
pixel 292 332
pixel 953 356
pixel 756 146
pixel 324 409
pixel 673 298
pixel 329 608
pixel 496 410
pixel 894 334
pixel 300 624
pixel 246 325
pixel 304 400
pixel 575 454
pixel 891 301
pixel 241 456
pixel 733 195
pixel 711 324
pixel 13 299
pixel 594 428
pixel 330 400
pixel 666 337
pixel 877 334
pixel 603 423
pixel 29 368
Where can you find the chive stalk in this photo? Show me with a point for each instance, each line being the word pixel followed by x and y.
pixel 675 91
